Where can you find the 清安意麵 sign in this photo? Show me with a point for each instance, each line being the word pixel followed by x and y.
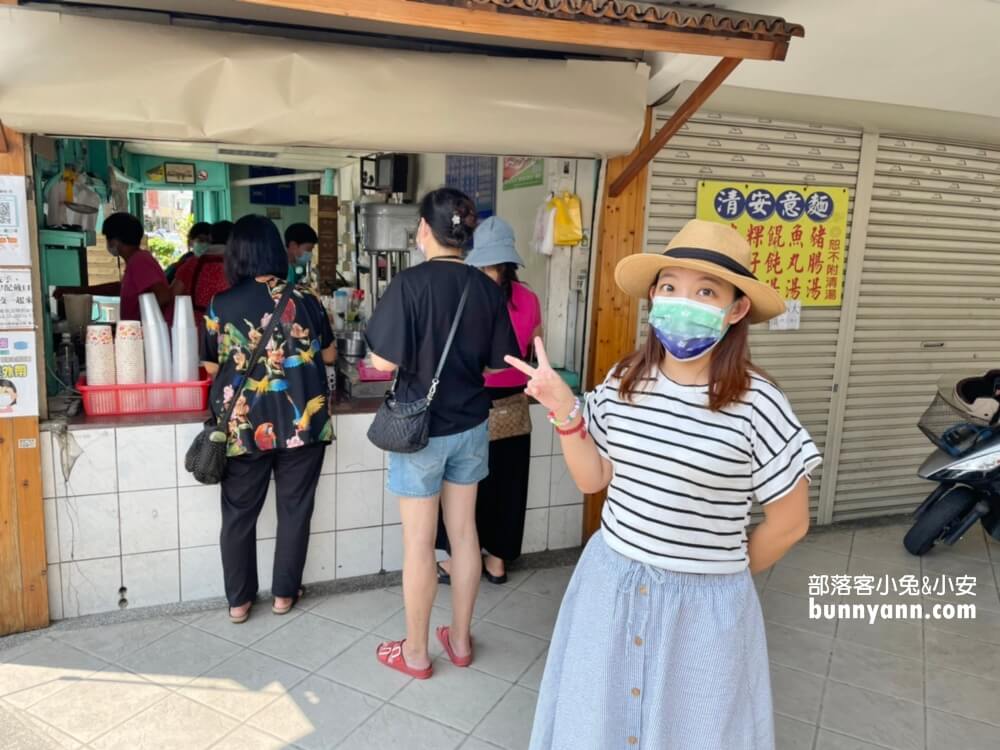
pixel 798 235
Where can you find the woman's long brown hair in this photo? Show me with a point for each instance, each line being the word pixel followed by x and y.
pixel 728 375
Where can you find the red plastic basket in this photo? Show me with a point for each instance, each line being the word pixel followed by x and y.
pixel 144 398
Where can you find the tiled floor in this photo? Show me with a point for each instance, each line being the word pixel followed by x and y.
pixel 309 680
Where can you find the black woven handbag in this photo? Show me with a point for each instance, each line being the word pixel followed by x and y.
pixel 206 457
pixel 404 427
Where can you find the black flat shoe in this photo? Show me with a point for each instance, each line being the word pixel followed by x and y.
pixel 444 578
pixel 496 580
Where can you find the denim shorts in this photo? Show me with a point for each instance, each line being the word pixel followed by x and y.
pixel 460 459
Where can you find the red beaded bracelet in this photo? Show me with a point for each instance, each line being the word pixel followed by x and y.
pixel 580 427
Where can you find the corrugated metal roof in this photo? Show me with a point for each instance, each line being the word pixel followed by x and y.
pixel 677 16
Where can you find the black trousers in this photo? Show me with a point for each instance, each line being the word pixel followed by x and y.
pixel 502 499
pixel 244 489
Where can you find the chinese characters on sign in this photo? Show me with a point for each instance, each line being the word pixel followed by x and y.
pixel 790 319
pixel 16 309
pixel 18 383
pixel 884 585
pixel 797 234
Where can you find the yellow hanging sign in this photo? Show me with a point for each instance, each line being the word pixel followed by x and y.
pixel 798 235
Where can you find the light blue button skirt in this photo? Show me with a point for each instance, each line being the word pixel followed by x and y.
pixel 649 659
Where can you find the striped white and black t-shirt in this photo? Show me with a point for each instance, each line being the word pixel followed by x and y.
pixel 685 477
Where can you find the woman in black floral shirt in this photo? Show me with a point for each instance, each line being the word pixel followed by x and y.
pixel 281 422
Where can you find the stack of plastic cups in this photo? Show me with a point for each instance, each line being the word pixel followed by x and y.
pixel 185 342
pixel 156 338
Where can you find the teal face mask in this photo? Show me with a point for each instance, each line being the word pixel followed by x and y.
pixel 304 260
pixel 686 328
pixel 199 248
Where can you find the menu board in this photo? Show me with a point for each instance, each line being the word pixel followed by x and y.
pixel 476 176
pixel 797 234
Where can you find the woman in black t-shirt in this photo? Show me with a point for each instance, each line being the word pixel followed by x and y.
pixel 408 332
pixel 280 424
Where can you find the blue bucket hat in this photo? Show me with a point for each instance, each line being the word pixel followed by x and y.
pixel 493 244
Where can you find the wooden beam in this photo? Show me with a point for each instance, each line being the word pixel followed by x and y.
pixel 11 606
pixel 12 153
pixel 31 522
pixel 691 105
pixel 615 318
pixel 489 23
pixel 24 593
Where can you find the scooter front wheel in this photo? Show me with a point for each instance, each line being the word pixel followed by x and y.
pixel 935 521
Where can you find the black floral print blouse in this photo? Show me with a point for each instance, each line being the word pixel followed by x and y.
pixel 283 401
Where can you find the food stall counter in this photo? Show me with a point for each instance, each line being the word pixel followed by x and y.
pixel 81 421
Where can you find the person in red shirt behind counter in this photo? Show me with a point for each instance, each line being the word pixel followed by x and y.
pixel 143 273
pixel 203 275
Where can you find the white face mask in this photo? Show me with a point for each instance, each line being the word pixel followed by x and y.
pixel 417 244
pixel 6 400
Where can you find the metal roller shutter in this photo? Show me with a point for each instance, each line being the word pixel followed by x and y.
pixel 719 147
pixel 927 307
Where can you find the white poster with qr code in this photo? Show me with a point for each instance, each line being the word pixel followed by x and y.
pixel 14 245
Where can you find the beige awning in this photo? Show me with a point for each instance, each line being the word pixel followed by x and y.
pixel 73 75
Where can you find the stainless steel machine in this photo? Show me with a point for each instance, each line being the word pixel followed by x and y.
pixel 387 237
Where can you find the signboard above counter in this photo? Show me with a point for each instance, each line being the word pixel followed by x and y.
pixel 157 173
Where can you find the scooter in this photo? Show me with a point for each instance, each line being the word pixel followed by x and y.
pixel 963 422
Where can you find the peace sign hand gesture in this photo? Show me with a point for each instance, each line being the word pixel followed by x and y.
pixel 544 384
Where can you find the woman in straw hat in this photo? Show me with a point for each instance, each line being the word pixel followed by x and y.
pixel 660 638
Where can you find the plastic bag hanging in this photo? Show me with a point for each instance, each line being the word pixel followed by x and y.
pixel 544 227
pixel 568 224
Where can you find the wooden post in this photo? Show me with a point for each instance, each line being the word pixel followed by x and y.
pixel 616 315
pixel 691 105
pixel 24 596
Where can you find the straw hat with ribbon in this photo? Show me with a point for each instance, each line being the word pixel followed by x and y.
pixel 715 249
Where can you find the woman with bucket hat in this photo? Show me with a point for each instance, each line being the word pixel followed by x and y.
pixel 660 640
pixel 502 499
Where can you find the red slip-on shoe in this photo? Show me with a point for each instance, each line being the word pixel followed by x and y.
pixel 391 655
pixel 444 635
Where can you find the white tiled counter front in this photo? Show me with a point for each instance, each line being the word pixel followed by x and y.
pixel 129 527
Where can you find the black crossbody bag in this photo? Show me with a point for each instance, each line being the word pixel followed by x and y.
pixel 206 458
pixel 404 426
